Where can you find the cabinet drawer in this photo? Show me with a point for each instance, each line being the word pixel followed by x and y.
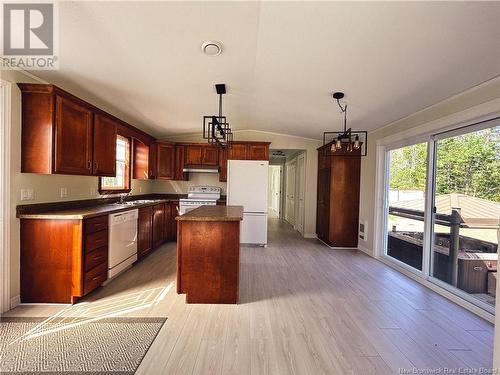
pixel 96 224
pixel 95 277
pixel 96 257
pixel 96 240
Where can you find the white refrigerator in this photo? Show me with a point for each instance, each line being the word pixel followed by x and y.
pixel 247 182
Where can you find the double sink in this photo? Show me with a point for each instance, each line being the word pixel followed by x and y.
pixel 137 202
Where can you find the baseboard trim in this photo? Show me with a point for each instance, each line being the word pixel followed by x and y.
pixel 15 301
pixel 365 250
pixel 335 247
pixel 310 235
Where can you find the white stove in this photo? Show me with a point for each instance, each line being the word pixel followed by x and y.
pixel 199 196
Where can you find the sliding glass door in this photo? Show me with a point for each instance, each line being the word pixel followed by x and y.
pixel 466 201
pixel 442 210
pixel 405 211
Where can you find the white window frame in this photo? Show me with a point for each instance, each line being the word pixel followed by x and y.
pixel 5 124
pixel 463 122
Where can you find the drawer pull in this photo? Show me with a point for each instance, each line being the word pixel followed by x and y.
pixel 99 257
pixel 478 268
pixel 96 278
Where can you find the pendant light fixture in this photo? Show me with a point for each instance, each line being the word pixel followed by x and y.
pixel 348 139
pixel 216 129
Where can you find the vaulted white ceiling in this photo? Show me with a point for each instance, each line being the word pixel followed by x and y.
pixel 281 60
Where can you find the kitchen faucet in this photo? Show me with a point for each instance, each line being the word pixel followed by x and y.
pixel 123 196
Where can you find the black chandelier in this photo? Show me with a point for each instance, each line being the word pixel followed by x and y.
pixel 347 140
pixel 216 129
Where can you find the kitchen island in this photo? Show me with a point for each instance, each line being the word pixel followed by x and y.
pixel 208 254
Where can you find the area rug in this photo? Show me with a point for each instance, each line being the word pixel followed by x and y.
pixel 75 345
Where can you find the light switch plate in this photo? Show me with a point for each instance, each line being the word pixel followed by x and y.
pixel 63 192
pixel 27 194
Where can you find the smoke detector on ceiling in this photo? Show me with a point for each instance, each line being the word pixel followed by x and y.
pixel 211 48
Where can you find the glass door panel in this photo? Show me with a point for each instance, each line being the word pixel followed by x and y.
pixel 466 216
pixel 406 179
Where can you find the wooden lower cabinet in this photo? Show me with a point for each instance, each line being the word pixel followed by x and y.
pixel 158 224
pixel 62 260
pixel 145 231
pixel 170 223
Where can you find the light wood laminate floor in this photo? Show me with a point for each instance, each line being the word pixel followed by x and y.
pixel 305 309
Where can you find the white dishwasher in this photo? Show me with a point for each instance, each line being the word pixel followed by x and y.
pixel 122 241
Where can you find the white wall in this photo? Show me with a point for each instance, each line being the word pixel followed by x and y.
pixel 280 141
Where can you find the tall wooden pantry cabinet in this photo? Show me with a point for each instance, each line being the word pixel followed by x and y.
pixel 337 214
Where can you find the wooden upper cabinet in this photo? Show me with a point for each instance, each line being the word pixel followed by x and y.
pixel 141 160
pixel 152 162
pixel 64 134
pixel 193 154
pixel 179 174
pixel 237 151
pixel 258 151
pixel 165 160
pixel 201 154
pixel 73 138
pixel 248 151
pixel 210 156
pixel 105 130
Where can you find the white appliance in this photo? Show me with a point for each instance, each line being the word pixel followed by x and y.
pixel 122 244
pixel 199 196
pixel 247 186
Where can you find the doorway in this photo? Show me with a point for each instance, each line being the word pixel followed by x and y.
pixel 290 171
pixel 287 175
pixel 275 182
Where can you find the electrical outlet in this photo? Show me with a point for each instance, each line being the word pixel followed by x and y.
pixel 27 194
pixel 63 192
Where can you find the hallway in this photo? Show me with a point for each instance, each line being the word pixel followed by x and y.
pixel 304 309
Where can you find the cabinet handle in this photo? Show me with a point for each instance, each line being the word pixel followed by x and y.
pixel 99 257
pixel 96 278
pixel 96 165
pixel 89 164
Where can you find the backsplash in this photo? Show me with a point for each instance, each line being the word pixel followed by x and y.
pixel 195 179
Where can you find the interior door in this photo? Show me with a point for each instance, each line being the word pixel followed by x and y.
pixel 300 192
pixel 290 192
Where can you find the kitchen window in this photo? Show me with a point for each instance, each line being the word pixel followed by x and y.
pixel 121 182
